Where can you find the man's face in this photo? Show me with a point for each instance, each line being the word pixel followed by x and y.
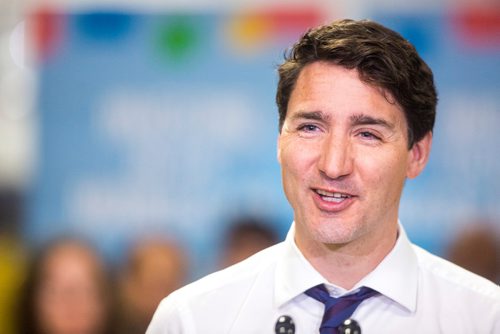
pixel 344 157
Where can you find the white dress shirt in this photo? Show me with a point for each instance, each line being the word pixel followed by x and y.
pixel 420 293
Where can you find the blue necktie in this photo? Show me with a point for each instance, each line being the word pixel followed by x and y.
pixel 337 310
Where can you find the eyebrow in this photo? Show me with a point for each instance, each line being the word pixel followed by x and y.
pixel 313 115
pixel 361 119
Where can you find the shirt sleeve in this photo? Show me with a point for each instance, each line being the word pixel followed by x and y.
pixel 169 317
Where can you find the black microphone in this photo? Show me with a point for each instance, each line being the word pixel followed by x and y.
pixel 350 326
pixel 284 325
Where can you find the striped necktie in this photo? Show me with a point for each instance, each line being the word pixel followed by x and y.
pixel 337 310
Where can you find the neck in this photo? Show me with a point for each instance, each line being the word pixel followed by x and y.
pixel 346 264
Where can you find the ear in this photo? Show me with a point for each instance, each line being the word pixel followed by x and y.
pixel 419 155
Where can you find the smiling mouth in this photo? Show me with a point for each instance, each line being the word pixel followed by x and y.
pixel 336 197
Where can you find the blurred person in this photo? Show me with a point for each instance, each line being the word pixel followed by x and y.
pixel 154 268
pixel 356 106
pixel 477 248
pixel 12 257
pixel 67 291
pixel 245 237
pixel 12 271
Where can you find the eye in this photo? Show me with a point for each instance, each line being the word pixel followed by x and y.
pixel 368 135
pixel 308 128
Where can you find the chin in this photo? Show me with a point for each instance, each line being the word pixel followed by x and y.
pixel 337 234
pixel 333 238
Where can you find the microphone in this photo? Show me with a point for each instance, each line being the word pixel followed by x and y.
pixel 350 326
pixel 284 325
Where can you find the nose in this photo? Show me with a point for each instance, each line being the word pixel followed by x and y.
pixel 336 160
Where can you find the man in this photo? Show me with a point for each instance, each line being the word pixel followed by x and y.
pixel 357 108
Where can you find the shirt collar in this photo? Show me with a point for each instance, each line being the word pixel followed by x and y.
pixel 294 274
pixel 396 277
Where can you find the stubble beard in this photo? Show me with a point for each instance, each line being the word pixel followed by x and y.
pixel 333 232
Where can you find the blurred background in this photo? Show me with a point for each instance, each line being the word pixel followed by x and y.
pixel 146 130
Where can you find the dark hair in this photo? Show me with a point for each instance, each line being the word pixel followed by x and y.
pixel 248 227
pixel 383 59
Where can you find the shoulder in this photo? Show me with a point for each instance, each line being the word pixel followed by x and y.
pixel 449 276
pixel 218 295
pixel 456 298
pixel 241 274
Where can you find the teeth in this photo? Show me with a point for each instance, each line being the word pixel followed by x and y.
pixel 332 195
pixel 333 199
pixel 325 193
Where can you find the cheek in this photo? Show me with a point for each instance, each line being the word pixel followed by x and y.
pixel 296 172
pixel 296 153
pixel 383 171
pixel 48 310
pixel 297 164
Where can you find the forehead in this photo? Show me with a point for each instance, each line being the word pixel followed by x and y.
pixel 66 258
pixel 333 89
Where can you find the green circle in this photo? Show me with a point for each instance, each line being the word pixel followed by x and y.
pixel 177 39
